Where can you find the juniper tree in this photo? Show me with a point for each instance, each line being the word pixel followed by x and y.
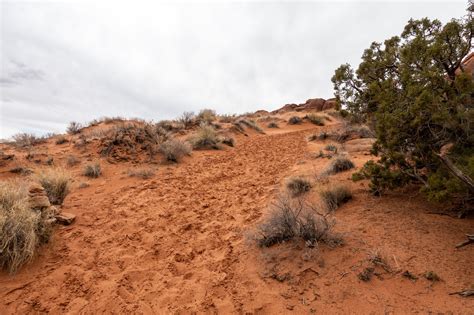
pixel 416 93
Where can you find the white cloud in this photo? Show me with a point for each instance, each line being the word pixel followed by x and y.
pixel 82 60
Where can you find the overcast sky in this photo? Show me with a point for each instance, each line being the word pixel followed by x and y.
pixel 76 61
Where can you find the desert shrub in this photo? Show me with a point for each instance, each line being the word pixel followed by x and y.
pixel 127 141
pixel 110 120
pixel 335 196
pixel 25 140
pixel 92 170
pixel 226 118
pixel 72 160
pixel 56 182
pixel 272 125
pixel 22 229
pixel 331 147
pixel 205 138
pixel 165 124
pixel 294 218
pixel 340 164
pixel 315 119
pixel 295 120
pixel 174 149
pixel 142 172
pixel 298 185
pixel 418 77
pixel 74 128
pixel 206 116
pixel 228 141
pixel 61 140
pixel 21 170
pixel 187 119
pixel 250 124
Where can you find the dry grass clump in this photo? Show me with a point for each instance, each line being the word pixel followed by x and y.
pixel 250 124
pixel 226 118
pixel 21 170
pixel 174 149
pixel 25 140
pixel 141 172
pixel 335 196
pixel 92 170
pixel 56 182
pixel 315 119
pixel 72 160
pixel 74 128
pixel 295 218
pixel 298 186
pixel 206 116
pixel 339 164
pixel 22 229
pixel 295 120
pixel 205 138
pixel 272 125
pixel 61 140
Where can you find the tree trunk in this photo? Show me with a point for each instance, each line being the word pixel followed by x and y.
pixel 456 171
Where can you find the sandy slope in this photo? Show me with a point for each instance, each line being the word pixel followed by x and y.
pixel 177 243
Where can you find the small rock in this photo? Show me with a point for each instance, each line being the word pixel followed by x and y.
pixel 65 218
pixel 39 202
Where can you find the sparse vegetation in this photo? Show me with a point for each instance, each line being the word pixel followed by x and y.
pixel 331 147
pixel 21 170
pixel 295 218
pixel 206 116
pixel 272 125
pixel 74 128
pixel 187 119
pixel 174 149
pixel 72 160
pixel 141 172
pixel 298 185
pixel 205 138
pixel 92 170
pixel 22 229
pixel 61 140
pixel 56 182
pixel 295 120
pixel 126 141
pixel 339 164
pixel 334 197
pixel 226 118
pixel 315 119
pixel 26 140
pixel 250 124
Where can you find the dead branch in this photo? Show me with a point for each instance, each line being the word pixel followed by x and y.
pixel 470 239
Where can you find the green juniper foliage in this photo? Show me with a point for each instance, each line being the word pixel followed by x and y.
pixel 415 93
